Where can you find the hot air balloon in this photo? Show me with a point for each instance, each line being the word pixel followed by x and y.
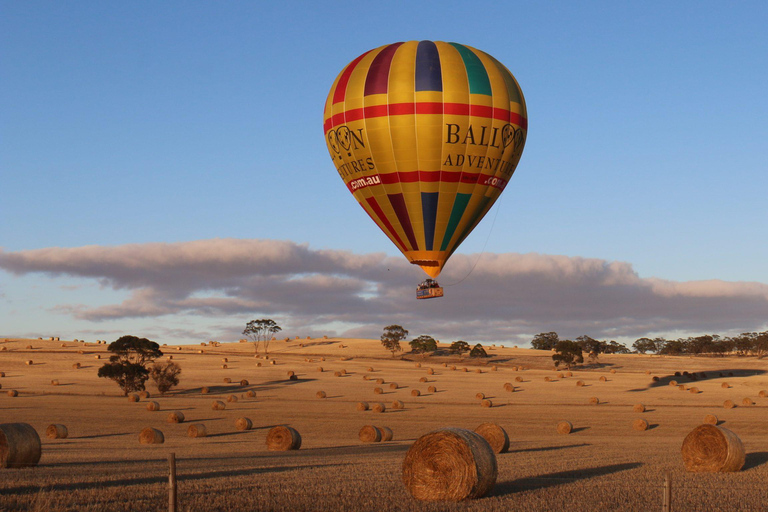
pixel 426 136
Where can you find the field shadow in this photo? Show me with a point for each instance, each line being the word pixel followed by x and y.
pixel 94 436
pixel 559 478
pixel 551 448
pixel 755 459
pixel 652 426
pixel 579 429
pixel 702 376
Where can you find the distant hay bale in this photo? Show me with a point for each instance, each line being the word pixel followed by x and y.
pixel 694 390
pixel 258 365
pixel 205 390
pixel 763 393
pixel 369 369
pixel 178 348
pixel 728 404
pixel 283 438
pixel 244 382
pixel 594 400
pixel 393 385
pixel 681 387
pixel 495 435
pixel 2 374
pixel 153 406
pixel 225 360
pixel 561 375
pixel 494 369
pixel 379 407
pixel 638 408
pixel 655 378
pixel 144 394
pixel 12 393
pixel 547 379
pixel 450 464
pixel 579 383
pixel 321 394
pixel 423 379
pixel 133 397
pixel 465 369
pixel 196 430
pixel 366 377
pixel 397 404
pixel 640 424
pixel 415 392
pixel 418 365
pixel 369 434
pixel 243 423
pixel 710 419
pixel 362 406
pixel 514 368
pixel 320 369
pixel 712 449
pixel 378 391
pixel 486 403
pixel 602 378
pixel 29 347
pixel 518 379
pixel 613 371
pixel 337 374
pixel 251 394
pixel 386 433
pixel 54 382
pixel 29 362
pixel 218 405
pixel 432 389
pixel 223 367
pixel 725 385
pixel 453 368
pixel 227 380
pixel 322 358
pixel 273 362
pixel 231 398
pixel 290 373
pixel 747 401
pixel 647 372
pixel 175 417
pixel 97 356
pixel 19 445
pixel 430 371
pixel 509 387
pixel 564 427
pixel 569 374
pixel 673 383
pixel 479 396
pixel 56 431
pixel 151 436
pixel 379 381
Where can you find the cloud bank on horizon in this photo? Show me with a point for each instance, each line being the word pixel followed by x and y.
pixel 506 297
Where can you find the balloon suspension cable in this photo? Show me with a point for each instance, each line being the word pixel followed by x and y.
pixel 482 251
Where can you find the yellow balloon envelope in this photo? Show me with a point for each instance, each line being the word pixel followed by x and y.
pixel 425 135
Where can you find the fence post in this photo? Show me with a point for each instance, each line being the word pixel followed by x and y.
pixel 172 482
pixel 667 505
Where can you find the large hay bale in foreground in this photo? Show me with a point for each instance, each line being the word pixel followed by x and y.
pixel 19 445
pixel 712 449
pixel 56 431
pixel 564 427
pixel 449 464
pixel 175 417
pixel 196 430
pixel 283 438
pixel 495 435
pixel 640 424
pixel 243 423
pixel 369 434
pixel 151 436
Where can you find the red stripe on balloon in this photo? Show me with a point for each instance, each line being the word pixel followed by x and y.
pixel 383 218
pixel 441 176
pixel 341 87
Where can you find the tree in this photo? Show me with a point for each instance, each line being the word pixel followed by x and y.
pixel 459 347
pixel 127 365
pixel 643 345
pixel 567 352
pixel 261 330
pixel 393 335
pixel 423 343
pixel 477 351
pixel 545 341
pixel 165 375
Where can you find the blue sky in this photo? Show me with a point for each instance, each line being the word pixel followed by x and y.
pixel 126 124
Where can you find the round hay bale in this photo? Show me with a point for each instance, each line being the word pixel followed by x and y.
pixel 445 365
pixel 291 373
pixel 97 356
pixel 369 434
pixel 153 406
pixel 430 371
pixel 2 374
pixel 29 347
pixel 681 387
pixel 196 430
pixel 694 390
pixel 283 438
pixel 224 360
pixel 465 369
pixel 12 393
pixel 486 403
pixel 418 365
pixel 569 374
pixel 243 424
pixel 386 433
pixel 54 382
pixel 258 365
pixel 640 424
pixel 337 374
pixel 710 419
pixel 479 396
pixel 393 385
pixel 579 383
pixel 603 379
pixel 343 372
pixel 273 362
pixel 478 370
pixel 377 391
pixel 453 368
pixel 725 385
pixel 369 369
pixel 175 417
pixel 151 436
pixel 594 400
pixel 415 392
pixel 561 375
pixel 655 378
pixel 397 404
pixel 321 394
pixel 28 362
pixel 144 394
pixel 320 369
pixel 362 406
pixel 728 404
pixel 379 407
pixel 379 381
pixel 56 431
pixel 747 401
pixel 244 382
pixel 677 374
pixel 638 408
pixel 204 390
pixel 75 366
pixel 223 367
pixel 613 371
pixel 450 464
pixel 19 445
pixel 518 379
pixel 564 427
pixel 133 397
pixel 218 405
pixel 251 394
pixel 366 377
pixel 231 398
pixel 432 389
pixel 547 379
pixel 227 380
pixel 712 449
pixel 673 383
pixel 495 435
pixel 647 372
pixel 423 379
pixel 509 387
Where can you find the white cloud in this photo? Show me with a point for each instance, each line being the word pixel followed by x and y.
pixel 506 296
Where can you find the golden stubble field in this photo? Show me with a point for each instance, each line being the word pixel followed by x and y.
pixel 603 464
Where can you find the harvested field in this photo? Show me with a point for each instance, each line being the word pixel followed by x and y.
pixel 101 466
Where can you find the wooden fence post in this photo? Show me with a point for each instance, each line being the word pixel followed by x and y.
pixel 667 504
pixel 172 482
